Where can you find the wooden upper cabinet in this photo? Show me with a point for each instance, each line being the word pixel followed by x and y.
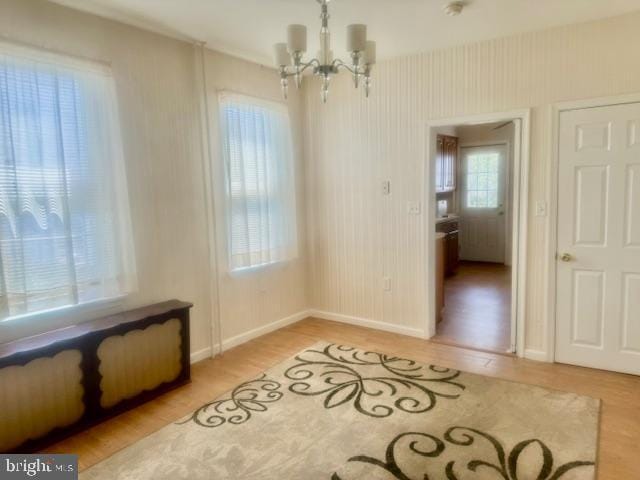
pixel 446 163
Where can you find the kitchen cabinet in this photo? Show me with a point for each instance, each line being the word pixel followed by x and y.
pixel 441 253
pixel 453 254
pixel 451 244
pixel 446 163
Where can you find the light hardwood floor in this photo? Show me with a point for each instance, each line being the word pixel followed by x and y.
pixel 620 426
pixel 477 307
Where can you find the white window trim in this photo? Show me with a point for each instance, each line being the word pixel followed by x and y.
pixel 283 107
pixel 76 313
pixel 263 267
pixel 243 97
pixel 83 311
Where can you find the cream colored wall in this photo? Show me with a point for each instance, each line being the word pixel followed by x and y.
pixel 157 81
pixel 252 300
pixel 356 235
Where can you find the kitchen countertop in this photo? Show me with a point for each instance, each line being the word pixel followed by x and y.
pixel 449 218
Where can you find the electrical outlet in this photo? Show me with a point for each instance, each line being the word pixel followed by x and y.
pixel 386 187
pixel 386 284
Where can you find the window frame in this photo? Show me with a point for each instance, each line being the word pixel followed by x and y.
pixel 466 173
pixel 80 311
pixel 281 107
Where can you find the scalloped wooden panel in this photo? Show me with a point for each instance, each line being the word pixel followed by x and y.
pixel 37 397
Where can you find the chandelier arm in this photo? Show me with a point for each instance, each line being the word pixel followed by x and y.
pixel 302 67
pixel 337 63
pixel 314 63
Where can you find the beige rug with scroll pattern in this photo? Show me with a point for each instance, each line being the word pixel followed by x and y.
pixel 338 413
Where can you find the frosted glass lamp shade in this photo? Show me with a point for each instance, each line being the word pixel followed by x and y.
pixel 370 53
pixel 356 38
pixel 296 38
pixel 281 55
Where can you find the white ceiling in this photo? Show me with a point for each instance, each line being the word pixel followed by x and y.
pixel 249 28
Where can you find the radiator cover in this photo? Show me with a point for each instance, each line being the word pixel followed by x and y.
pixel 56 384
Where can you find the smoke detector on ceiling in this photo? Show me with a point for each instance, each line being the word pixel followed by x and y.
pixel 453 9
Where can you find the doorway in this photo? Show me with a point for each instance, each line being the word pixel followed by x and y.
pixel 478 248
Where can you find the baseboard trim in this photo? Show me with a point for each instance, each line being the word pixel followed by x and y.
pixel 200 355
pixel 365 322
pixel 296 317
pixel 208 352
pixel 537 355
pixel 531 354
pixel 263 330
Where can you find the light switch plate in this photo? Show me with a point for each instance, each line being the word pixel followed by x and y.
pixel 541 209
pixel 414 208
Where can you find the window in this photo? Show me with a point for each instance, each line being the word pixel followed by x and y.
pixel 260 191
pixel 483 172
pixel 65 234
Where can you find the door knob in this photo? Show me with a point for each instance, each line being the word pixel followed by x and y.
pixel 566 257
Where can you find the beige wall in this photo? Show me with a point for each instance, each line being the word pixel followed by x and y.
pixel 157 80
pixel 356 235
pixel 251 300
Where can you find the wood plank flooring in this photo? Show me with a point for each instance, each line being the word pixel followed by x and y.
pixel 477 307
pixel 620 426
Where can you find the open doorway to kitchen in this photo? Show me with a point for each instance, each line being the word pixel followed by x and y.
pixel 478 168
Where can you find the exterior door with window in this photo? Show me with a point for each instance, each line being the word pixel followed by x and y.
pixel 482 198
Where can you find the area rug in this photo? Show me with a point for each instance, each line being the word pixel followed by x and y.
pixel 339 413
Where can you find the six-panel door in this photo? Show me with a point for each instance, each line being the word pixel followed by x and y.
pixel 598 274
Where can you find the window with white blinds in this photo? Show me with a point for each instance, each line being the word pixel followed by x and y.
pixel 65 231
pixel 260 193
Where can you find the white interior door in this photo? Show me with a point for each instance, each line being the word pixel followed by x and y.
pixel 482 203
pixel 598 270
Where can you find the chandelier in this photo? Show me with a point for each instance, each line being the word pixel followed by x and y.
pixel 289 56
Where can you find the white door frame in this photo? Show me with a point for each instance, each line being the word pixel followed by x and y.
pixel 552 236
pixel 520 208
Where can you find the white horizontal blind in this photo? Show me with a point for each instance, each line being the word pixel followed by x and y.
pixel 65 231
pixel 260 193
